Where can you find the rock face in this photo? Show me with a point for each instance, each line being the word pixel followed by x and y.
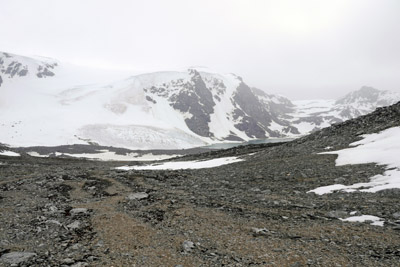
pixel 205 99
pixel 258 111
pixel 193 98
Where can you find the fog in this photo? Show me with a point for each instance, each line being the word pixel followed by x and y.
pixel 300 49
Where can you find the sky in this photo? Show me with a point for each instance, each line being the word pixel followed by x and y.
pixel 303 49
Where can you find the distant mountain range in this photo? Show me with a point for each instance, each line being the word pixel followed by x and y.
pixel 41 103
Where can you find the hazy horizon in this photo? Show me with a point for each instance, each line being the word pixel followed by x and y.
pixel 300 49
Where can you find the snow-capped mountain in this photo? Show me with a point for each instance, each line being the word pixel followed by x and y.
pixel 192 107
pixel 311 115
pixel 364 101
pixel 44 102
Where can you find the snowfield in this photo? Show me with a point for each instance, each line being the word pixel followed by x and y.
pixel 177 165
pixel 382 148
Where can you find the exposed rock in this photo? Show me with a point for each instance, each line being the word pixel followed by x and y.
pixel 17 257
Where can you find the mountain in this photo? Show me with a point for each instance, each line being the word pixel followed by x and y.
pixel 49 103
pixel 364 101
pixel 175 109
pixel 191 107
pixel 313 115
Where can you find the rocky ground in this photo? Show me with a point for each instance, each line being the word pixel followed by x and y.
pixel 69 212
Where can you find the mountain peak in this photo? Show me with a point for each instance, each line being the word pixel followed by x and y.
pixel 364 95
pixel 368 89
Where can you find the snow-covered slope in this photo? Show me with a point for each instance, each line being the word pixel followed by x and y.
pixel 48 103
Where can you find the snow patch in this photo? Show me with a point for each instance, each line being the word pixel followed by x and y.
pixel 9 154
pixel 35 154
pixel 365 218
pixel 112 156
pixel 177 165
pixel 382 148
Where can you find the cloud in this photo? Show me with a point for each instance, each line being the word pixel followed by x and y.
pixel 302 49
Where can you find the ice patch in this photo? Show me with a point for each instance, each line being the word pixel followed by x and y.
pixel 177 165
pixel 382 148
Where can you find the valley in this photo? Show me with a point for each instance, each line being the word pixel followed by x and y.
pixel 256 211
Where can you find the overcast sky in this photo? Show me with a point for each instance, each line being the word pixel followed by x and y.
pixel 303 49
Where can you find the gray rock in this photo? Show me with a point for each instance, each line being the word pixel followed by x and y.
pixel 53 222
pixel 17 257
pixel 74 225
pixel 340 180
pixel 138 196
pixel 396 215
pixel 188 246
pixel 80 264
pixel 259 231
pixel 337 214
pixel 79 211
pixel 68 261
pixel 76 246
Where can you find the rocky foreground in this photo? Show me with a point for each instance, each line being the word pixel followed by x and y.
pixel 68 212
